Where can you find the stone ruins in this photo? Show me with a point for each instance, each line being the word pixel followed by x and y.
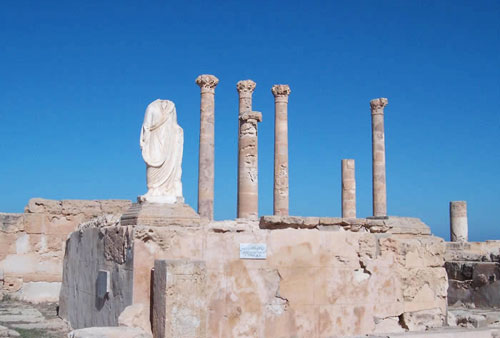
pixel 157 268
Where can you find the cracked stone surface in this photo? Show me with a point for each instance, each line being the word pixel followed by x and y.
pixel 365 276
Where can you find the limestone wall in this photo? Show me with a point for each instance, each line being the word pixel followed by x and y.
pixel 332 279
pixel 474 274
pixel 32 243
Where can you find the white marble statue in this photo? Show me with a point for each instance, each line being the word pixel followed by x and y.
pixel 161 142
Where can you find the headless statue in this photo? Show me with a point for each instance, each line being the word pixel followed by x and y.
pixel 161 144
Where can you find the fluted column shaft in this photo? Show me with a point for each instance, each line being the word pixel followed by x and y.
pixel 459 231
pixel 206 169
pixel 378 157
pixel 348 189
pixel 281 191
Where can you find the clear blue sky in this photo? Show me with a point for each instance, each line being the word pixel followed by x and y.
pixel 76 77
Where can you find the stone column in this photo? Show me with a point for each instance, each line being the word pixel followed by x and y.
pixel 378 157
pixel 281 193
pixel 248 184
pixel 458 221
pixel 248 188
pixel 247 153
pixel 207 85
pixel 348 189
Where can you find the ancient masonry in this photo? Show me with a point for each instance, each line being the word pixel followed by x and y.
pixel 281 203
pixel 156 268
pixel 207 85
pixel 248 185
pixel 378 156
pixel 458 221
pixel 348 189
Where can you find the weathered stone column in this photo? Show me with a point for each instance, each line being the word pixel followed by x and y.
pixel 207 85
pixel 248 188
pixel 247 153
pixel 459 231
pixel 281 192
pixel 348 189
pixel 378 157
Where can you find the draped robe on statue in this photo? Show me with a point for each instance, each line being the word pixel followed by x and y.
pixel 161 143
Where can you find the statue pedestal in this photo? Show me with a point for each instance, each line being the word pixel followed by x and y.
pixel 160 215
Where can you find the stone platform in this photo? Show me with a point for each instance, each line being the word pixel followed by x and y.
pixel 160 215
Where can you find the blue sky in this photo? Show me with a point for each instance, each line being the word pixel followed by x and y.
pixel 76 77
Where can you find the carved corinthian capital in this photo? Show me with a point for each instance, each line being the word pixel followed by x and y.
pixel 207 81
pixel 253 115
pixel 245 86
pixel 377 105
pixel 281 90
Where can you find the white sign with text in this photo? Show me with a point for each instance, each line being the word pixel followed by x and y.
pixel 253 251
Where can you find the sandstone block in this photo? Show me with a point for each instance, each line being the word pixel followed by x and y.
pixel 296 285
pixel 12 284
pixel 413 252
pixel 179 308
pixel 42 205
pixel 423 320
pixel 286 249
pixel 87 207
pixel 283 222
pixel 390 324
pixel 135 316
pixel 10 223
pixel 53 243
pixel 114 206
pixel 424 289
pixel 474 284
pixel 109 332
pixel 39 292
pixel 159 215
pixel 38 276
pixel 407 225
pixel 7 244
pixel 345 320
pixel 35 223
pixel 62 225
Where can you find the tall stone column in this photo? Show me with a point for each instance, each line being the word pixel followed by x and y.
pixel 247 153
pixel 348 189
pixel 458 221
pixel 281 192
pixel 248 188
pixel 207 85
pixel 378 157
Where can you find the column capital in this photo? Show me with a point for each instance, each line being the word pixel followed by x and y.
pixel 253 115
pixel 245 87
pixel 377 105
pixel 207 82
pixel 281 90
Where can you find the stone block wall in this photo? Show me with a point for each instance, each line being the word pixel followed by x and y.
pixel 473 270
pixel 32 243
pixel 335 278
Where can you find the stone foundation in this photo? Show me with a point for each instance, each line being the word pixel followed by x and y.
pixel 333 277
pixel 473 270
